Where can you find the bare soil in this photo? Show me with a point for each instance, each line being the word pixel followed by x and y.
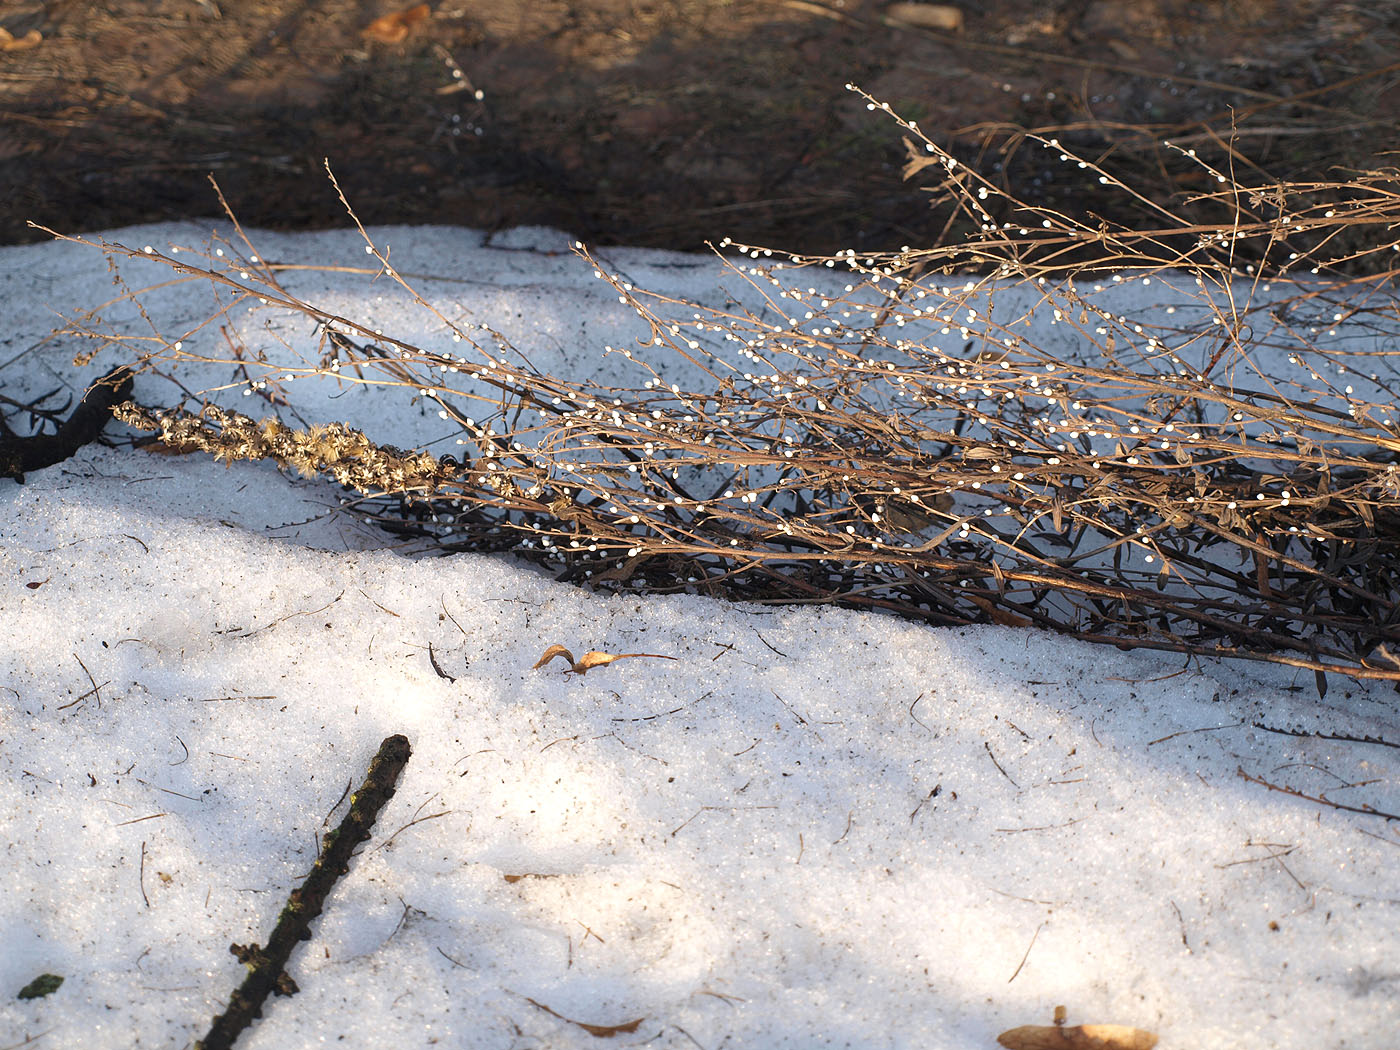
pixel 658 122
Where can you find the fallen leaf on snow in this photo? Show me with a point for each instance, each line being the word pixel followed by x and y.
pixel 591 659
pixel 394 27
pixel 602 1031
pixel 1080 1037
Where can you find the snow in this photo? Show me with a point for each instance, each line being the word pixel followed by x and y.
pixel 813 827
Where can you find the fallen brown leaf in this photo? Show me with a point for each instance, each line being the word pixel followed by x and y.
pixel 551 653
pixel 927 16
pixel 919 159
pixel 9 42
pixel 392 28
pixel 996 614
pixel 602 1031
pixel 156 447
pixel 1080 1037
pixel 591 659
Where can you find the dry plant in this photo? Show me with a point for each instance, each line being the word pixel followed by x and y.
pixel 589 660
pixel 1007 428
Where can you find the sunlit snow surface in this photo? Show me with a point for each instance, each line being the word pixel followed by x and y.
pixel 813 828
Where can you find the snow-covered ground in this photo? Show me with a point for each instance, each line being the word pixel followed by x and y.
pixel 811 828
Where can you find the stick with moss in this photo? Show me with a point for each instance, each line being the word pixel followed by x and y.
pixel 265 965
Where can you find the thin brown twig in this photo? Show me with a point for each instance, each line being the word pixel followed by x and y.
pixel 1369 811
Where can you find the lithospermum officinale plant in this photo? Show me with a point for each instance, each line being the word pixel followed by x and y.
pixel 993 430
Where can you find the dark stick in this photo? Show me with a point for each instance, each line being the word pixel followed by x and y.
pixel 18 455
pixel 265 965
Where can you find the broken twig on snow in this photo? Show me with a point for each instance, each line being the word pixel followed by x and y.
pixel 265 965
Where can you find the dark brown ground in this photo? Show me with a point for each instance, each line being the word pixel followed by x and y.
pixel 661 122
